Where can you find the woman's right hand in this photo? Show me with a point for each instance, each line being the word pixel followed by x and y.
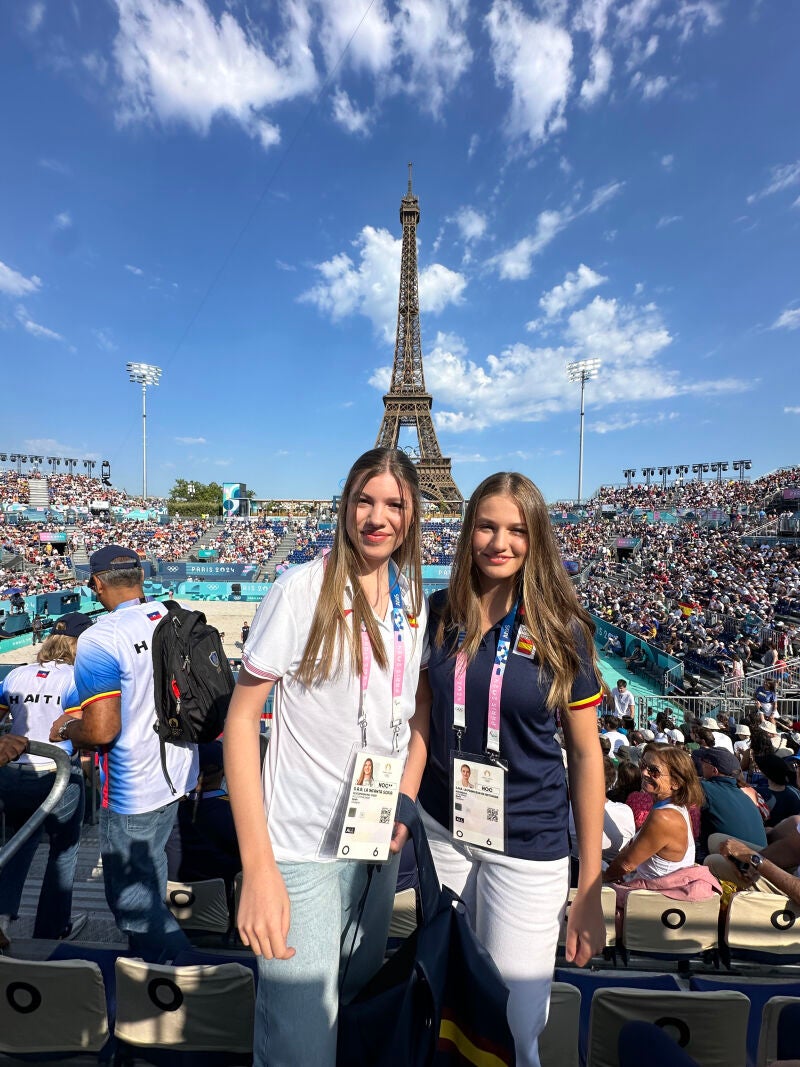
pixel 264 914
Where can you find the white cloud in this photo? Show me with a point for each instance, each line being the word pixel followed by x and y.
pixel 525 384
pixel 134 270
pixel 791 411
pixel 570 291
pixel 370 286
pixel 281 265
pixel 781 177
pixel 35 17
pixel 34 328
pixel 534 58
pixel 651 88
pixel 592 18
pixel 597 84
pixel 15 284
pixel 668 220
pixel 63 220
pixel 364 35
pixel 626 420
pixel 471 223
pixel 472 148
pixel 787 320
pixel 347 115
pixel 105 340
pixel 668 162
pixel 191 440
pixel 178 63
pixel 435 47
pixel 633 17
pixel 516 263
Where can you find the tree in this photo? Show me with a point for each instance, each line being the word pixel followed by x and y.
pixel 205 499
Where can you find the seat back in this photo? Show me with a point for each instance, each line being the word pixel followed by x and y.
pixel 558 1042
pixel 709 1027
pixel 200 905
pixel 657 925
pixel 763 925
pixel 51 1007
pixel 758 991
pixel 608 902
pixel 769 1046
pixel 187 1009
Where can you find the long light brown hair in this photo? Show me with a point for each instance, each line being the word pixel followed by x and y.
pixel 330 631
pixel 553 613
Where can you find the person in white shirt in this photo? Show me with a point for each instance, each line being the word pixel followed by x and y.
pixel 342 639
pixel 721 739
pixel 624 703
pixel 616 739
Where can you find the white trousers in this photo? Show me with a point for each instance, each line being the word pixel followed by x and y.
pixel 516 908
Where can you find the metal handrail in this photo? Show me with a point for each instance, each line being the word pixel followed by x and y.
pixel 60 781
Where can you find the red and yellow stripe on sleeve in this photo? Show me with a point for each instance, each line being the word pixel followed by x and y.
pixel 100 696
pixel 586 702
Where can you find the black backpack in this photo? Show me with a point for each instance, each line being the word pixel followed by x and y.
pixel 192 679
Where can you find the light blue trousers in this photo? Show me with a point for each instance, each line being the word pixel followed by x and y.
pixel 297 1003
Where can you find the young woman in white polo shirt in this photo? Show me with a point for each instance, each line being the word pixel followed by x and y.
pixel 342 637
pixel 510 649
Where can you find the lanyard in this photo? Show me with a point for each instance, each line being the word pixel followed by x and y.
pixel 495 685
pixel 398 667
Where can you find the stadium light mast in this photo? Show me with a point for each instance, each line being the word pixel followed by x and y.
pixel 144 374
pixel 664 471
pixel 742 465
pixel 629 473
pixel 681 470
pixel 582 370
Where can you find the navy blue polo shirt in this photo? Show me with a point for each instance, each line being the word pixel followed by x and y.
pixel 536 794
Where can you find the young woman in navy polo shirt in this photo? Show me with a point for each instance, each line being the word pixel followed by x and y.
pixel 510 650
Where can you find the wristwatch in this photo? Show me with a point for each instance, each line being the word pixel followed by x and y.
pixel 756 860
pixel 62 730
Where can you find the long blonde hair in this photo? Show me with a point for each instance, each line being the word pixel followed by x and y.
pixel 330 632
pixel 57 648
pixel 553 613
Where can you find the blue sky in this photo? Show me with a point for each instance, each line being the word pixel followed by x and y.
pixel 214 188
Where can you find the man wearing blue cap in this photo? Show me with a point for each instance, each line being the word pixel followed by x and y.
pixel 114 680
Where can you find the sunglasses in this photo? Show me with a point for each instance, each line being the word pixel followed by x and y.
pixel 652 770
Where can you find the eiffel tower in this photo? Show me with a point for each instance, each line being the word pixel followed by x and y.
pixel 408 403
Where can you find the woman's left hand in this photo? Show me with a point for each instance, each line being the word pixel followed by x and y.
pixel 400 835
pixel 586 929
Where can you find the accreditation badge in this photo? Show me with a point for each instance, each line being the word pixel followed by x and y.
pixel 371 807
pixel 478 790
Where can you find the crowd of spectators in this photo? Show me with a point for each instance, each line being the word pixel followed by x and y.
pixel 247 541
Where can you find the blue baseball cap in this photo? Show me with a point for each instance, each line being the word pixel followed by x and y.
pixel 113 558
pixel 72 624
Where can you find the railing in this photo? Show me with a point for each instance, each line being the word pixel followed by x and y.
pixel 787 677
pixel 681 708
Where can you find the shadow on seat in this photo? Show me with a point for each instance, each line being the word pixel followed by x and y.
pixel 184 1016
pixel 658 926
pixel 762 927
pixel 758 991
pixel 588 982
pixel 558 1042
pixel 52 1011
pixel 709 1027
pixel 200 906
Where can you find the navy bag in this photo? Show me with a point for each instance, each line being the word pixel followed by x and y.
pixel 439 1000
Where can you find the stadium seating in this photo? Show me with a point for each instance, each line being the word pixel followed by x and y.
pixel 193 1016
pixel 710 1027
pixel 658 926
pixel 50 1009
pixel 200 906
pixel 558 1042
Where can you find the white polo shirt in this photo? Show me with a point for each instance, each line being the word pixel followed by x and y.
pixel 35 696
pixel 314 730
pixel 624 703
pixel 115 658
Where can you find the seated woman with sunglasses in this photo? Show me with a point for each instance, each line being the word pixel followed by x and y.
pixel 661 855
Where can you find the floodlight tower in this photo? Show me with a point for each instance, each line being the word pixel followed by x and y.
pixel 582 370
pixel 742 465
pixel 144 374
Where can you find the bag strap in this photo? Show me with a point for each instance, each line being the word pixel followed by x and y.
pixel 430 893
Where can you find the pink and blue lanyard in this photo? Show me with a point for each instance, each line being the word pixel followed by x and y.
pixel 495 686
pixel 398 668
